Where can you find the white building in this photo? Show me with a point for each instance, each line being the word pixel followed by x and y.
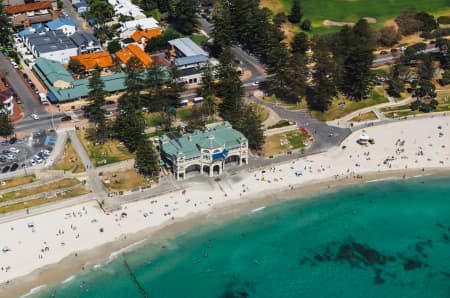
pixel 189 58
pixel 128 28
pixel 206 152
pixel 53 45
pixel 57 46
pixel 126 8
pixel 67 26
pixel 7 100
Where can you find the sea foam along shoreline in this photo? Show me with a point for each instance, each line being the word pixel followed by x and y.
pixel 399 147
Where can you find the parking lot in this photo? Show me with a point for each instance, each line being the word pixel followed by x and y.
pixel 26 152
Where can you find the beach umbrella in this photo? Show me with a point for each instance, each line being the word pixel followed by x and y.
pixel 30 225
pixel 440 127
pixel 124 214
pixel 5 248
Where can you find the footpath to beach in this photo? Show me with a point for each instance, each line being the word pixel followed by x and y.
pixel 49 246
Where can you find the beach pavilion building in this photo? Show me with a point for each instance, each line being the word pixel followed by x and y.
pixel 205 152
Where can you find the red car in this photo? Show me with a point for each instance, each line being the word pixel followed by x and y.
pixel 66 118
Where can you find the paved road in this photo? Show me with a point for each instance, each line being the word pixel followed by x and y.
pixel 73 15
pixel 325 136
pixel 95 183
pixel 46 121
pixel 248 62
pixel 392 58
pixel 30 104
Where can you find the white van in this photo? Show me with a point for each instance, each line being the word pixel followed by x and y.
pixel 43 98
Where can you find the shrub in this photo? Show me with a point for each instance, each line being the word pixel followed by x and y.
pixel 443 20
pixel 306 25
pixel 281 123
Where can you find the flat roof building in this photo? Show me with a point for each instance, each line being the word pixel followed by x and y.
pixel 185 47
pixel 66 25
pixel 204 152
pixel 86 42
pixel 54 45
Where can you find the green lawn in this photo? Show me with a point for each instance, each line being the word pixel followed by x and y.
pixel 352 10
pixel 199 39
pixel 102 154
pixel 335 112
pixel 275 144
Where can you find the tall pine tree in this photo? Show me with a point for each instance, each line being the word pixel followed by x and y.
pixel 250 125
pixel 147 160
pixel 230 89
pixel 6 126
pixel 321 93
pixel 356 77
pixel 296 12
pixel 5 27
pixel 207 89
pixel 288 83
pixel 96 99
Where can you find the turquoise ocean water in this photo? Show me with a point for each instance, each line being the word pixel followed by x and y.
pixel 383 239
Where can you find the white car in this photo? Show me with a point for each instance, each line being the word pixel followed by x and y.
pixel 37 159
pixel 32 162
pixel 14 150
pixel 10 156
pixel 256 84
pixel 34 116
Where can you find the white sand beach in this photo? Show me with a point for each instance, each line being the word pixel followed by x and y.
pixel 48 238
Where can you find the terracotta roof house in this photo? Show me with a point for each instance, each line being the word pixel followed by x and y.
pixel 133 50
pixel 142 36
pixel 90 61
pixel 26 14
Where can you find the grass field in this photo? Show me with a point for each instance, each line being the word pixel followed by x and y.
pixel 102 154
pixel 352 10
pixel 17 181
pixel 125 180
pixel 70 161
pixel 335 112
pixel 76 191
pixel 278 143
pixel 63 183
pixel 363 117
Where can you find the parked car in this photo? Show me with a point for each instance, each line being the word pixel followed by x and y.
pixel 110 102
pixel 12 140
pixel 14 167
pixel 108 114
pixel 10 156
pixel 5 169
pixel 5 142
pixel 14 150
pixel 32 162
pixel 37 159
pixel 383 53
pixel 66 118
pixel 34 116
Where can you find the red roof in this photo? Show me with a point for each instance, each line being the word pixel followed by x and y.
pixel 28 7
